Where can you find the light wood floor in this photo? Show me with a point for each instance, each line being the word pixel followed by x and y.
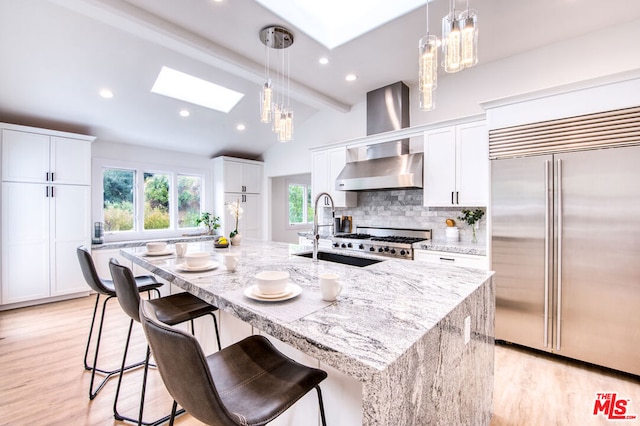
pixel 42 381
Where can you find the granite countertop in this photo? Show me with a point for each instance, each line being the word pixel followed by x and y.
pixel 142 243
pixel 382 311
pixel 461 247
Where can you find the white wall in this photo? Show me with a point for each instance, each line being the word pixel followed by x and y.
pixel 594 55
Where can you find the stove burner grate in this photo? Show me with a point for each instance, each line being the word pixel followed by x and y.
pixel 354 236
pixel 397 239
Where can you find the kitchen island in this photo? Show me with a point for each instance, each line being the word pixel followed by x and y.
pixel 416 339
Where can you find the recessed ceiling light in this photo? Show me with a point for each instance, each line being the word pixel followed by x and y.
pixel 351 77
pixel 184 113
pixel 323 60
pixel 106 93
pixel 188 88
pixel 240 127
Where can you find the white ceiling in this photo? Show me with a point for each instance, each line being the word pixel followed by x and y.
pixel 55 55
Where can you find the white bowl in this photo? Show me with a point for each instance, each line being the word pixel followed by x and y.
pixel 197 259
pixel 272 282
pixel 156 247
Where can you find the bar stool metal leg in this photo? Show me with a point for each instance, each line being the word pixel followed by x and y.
pixel 93 368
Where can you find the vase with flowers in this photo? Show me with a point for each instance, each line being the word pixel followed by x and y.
pixel 235 210
pixel 471 218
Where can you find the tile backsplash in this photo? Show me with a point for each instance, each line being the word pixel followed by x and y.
pixel 403 209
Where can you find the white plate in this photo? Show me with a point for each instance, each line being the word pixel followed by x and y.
pixel 207 267
pixel 292 291
pixel 157 253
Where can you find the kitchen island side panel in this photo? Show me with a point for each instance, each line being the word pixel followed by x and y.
pixel 441 380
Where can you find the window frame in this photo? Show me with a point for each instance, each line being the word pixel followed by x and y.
pixel 308 190
pixel 138 232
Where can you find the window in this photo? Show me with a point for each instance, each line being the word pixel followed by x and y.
pixel 300 207
pixel 157 214
pixel 136 201
pixel 118 199
pixel 189 202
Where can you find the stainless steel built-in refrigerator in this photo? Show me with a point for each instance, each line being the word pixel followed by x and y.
pixel 566 251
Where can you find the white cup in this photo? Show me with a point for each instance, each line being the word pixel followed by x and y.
pixel 330 286
pixel 156 246
pixel 181 249
pixel 230 261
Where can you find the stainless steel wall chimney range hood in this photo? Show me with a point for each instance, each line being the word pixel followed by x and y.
pixel 388 165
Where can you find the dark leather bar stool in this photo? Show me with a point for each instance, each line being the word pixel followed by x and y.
pixel 104 287
pixel 171 310
pixel 247 383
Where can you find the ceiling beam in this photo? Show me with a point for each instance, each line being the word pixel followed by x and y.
pixel 139 22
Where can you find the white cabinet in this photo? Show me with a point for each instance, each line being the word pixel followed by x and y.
pixel 237 179
pixel 42 225
pixel 456 259
pixel 46 213
pixel 249 224
pixel 456 166
pixel 326 166
pixel 37 157
pixel 241 176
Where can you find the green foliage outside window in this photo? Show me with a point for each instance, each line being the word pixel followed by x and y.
pixel 156 201
pixel 296 203
pixel 118 199
pixel 189 205
pixel 300 208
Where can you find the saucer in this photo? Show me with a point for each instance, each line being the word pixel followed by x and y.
pixel 291 291
pixel 157 253
pixel 210 265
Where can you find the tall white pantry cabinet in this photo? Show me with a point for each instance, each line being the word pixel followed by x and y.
pixel 46 212
pixel 236 179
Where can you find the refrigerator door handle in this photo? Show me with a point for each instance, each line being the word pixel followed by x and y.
pixel 547 239
pixel 559 258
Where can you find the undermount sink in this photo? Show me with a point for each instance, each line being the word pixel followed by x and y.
pixel 341 258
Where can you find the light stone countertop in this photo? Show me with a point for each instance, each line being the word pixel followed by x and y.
pixel 418 337
pixel 140 243
pixel 461 247
pixel 382 311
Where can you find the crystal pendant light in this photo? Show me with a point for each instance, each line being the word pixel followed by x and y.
pixel 265 102
pixel 427 100
pixel 428 68
pixel 272 107
pixel 469 40
pixel 451 40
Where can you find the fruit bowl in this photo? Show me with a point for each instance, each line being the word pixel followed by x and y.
pixel 223 244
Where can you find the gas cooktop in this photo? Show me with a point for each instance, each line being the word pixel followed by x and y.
pixel 391 242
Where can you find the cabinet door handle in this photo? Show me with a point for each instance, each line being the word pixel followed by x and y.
pixel 47 191
pixel 52 192
pixel 51 178
pixel 457 197
pixel 448 259
pixel 452 198
pixel 47 178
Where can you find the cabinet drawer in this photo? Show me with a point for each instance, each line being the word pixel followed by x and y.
pixel 446 258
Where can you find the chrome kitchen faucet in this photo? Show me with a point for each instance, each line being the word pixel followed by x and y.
pixel 316 233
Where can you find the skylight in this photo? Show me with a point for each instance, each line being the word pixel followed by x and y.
pixel 188 88
pixel 335 22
